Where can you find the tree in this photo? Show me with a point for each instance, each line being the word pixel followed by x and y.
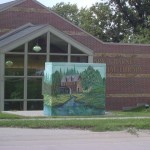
pixel 103 22
pixel 114 21
pixel 56 82
pixel 99 20
pixel 96 20
pixel 90 78
pixel 137 15
pixel 67 11
pixel 135 12
pixel 142 37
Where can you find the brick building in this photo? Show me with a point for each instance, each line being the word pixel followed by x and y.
pixel 31 34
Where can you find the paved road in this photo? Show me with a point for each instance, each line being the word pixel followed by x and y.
pixel 55 139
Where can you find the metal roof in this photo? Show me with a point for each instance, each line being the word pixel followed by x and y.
pixel 19 33
pixel 5 5
pixel 9 4
pixel 28 32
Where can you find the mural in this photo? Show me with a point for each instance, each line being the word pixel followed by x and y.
pixel 74 89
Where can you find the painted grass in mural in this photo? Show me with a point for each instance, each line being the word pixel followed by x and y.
pixel 74 88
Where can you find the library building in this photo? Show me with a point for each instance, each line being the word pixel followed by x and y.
pixel 31 34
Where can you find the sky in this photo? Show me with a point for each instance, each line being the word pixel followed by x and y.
pixel 50 3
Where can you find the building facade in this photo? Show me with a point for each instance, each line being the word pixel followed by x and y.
pixel 31 34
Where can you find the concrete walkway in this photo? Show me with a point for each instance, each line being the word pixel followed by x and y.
pixel 40 113
pixel 26 113
pixel 54 139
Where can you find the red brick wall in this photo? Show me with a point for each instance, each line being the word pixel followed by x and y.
pixel 120 103
pixel 128 78
pixel 29 11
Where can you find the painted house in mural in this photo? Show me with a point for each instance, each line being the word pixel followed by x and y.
pixel 32 34
pixel 73 82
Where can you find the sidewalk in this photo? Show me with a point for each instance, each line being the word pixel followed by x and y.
pixel 40 113
pixel 26 113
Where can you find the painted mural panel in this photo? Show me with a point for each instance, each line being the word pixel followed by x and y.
pixel 74 89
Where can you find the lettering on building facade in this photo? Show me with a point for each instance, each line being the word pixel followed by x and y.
pixel 119 64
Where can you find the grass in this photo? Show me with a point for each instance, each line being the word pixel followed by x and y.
pixel 93 125
pixel 9 116
pixel 114 121
pixel 137 112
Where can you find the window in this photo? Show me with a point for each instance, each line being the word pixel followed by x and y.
pixel 58 45
pixel 40 41
pixel 34 88
pixel 36 65
pixel 14 88
pixel 14 65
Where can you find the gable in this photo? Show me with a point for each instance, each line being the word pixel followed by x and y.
pixel 23 11
pixel 29 31
pixel 31 11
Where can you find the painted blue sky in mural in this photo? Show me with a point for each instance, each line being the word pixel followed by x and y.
pixel 65 66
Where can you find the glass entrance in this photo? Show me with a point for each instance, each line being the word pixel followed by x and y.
pixel 24 68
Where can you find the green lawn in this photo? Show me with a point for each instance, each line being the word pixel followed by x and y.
pixel 94 125
pixel 113 121
pixel 136 112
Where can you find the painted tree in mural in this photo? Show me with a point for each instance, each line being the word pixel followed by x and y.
pixel 56 82
pixel 72 71
pixel 91 79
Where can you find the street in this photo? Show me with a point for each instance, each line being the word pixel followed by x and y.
pixel 68 139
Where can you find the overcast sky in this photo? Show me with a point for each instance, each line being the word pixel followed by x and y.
pixel 50 3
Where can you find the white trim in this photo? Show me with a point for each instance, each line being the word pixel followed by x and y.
pixel 69 52
pixel 25 76
pixel 2 61
pixel 48 46
pixel 90 59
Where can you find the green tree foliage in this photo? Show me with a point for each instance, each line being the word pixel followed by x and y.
pixel 99 20
pixel 96 20
pixel 114 21
pixel 67 11
pixel 104 23
pixel 137 15
pixel 91 78
pixel 142 37
pixel 135 12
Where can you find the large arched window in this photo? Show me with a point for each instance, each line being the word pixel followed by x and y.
pixel 24 69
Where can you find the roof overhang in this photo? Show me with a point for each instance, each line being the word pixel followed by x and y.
pixel 21 36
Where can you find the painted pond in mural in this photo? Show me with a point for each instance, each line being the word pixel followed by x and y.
pixel 74 89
